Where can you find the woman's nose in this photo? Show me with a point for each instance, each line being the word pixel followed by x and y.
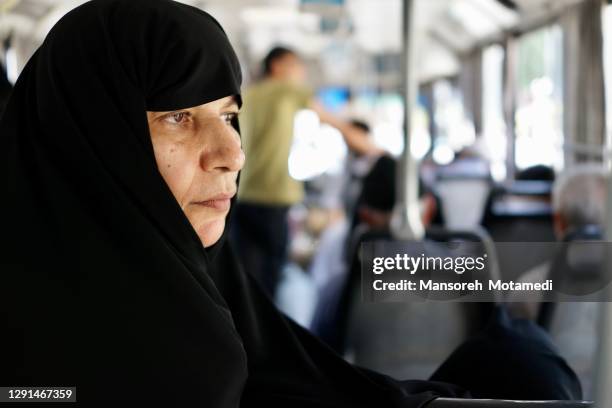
pixel 224 151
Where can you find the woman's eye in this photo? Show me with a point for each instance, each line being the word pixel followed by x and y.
pixel 229 117
pixel 177 118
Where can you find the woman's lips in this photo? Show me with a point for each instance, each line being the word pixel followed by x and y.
pixel 220 202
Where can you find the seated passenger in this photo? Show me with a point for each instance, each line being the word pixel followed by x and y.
pixel 120 156
pixel 579 199
pixel 538 172
pixel 579 204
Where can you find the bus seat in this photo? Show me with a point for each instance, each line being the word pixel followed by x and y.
pixel 520 212
pixel 488 403
pixel 576 269
pixel 330 317
pixel 527 202
pixel 380 336
pixel 463 201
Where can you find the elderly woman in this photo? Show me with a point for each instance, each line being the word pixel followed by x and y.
pixel 120 158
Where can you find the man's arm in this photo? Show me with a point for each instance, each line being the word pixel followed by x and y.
pixel 356 139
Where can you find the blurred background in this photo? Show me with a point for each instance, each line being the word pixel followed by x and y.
pixel 353 50
pixel 507 96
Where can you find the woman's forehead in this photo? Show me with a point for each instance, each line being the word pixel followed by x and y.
pixel 228 102
pixel 218 104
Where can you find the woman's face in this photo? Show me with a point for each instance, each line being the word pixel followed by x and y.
pixel 198 154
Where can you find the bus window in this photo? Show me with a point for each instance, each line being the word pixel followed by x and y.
pixel 454 130
pixel 539 109
pixel 493 123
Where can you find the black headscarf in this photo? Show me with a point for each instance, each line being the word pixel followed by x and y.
pixel 104 284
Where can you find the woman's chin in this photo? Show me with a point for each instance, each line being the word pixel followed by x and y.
pixel 210 232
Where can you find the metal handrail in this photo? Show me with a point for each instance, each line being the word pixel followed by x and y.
pixel 492 403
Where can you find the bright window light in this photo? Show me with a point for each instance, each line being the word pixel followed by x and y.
pixel 420 143
pixel 539 113
pixel 443 154
pixel 12 71
pixel 453 126
pixel 389 136
pixel 316 148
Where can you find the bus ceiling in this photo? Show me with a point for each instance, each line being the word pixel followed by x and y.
pixel 445 29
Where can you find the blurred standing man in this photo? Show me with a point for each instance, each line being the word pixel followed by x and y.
pixel 260 227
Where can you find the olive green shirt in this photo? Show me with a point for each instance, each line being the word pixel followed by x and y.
pixel 266 125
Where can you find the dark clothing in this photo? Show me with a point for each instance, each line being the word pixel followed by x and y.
pixel 289 367
pixel 260 234
pixel 378 188
pixel 104 284
pixel 5 87
pixel 511 359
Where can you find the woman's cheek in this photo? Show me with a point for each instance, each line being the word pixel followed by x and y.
pixel 178 171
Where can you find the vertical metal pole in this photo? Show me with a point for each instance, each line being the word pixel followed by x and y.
pixel 406 222
pixel 510 84
pixel 603 393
